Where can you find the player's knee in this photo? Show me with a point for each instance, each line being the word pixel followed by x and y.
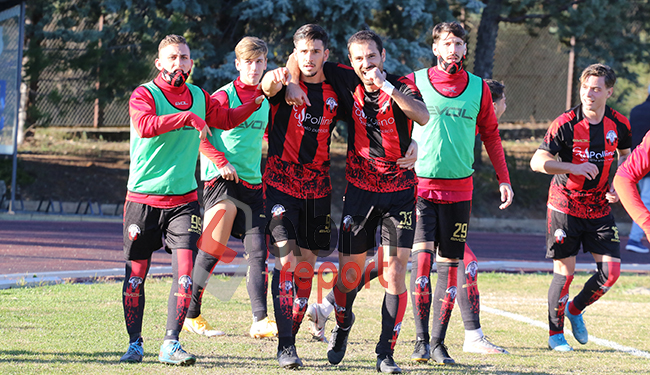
pixel 609 273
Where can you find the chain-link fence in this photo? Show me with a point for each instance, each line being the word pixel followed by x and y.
pixel 534 70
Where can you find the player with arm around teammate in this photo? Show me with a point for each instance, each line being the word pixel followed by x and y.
pixel 380 192
pixel 297 183
pixel 230 170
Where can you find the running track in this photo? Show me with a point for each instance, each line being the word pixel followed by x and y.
pixel 50 246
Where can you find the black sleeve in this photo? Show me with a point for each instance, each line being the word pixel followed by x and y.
pixel 405 86
pixel 341 77
pixel 278 97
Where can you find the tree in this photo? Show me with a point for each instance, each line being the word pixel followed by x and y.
pixel 600 34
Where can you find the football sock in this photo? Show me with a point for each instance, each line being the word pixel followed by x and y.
pixel 596 286
pixel 420 287
pixel 203 267
pixel 180 294
pixel 300 303
pixel 558 295
pixel 133 296
pixel 257 276
pixel 443 300
pixel 392 313
pixel 468 296
pixel 282 290
pixel 343 306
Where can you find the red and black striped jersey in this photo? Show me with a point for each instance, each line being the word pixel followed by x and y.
pixel 299 142
pixel 381 131
pixel 574 140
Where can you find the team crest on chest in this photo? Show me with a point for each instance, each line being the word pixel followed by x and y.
pixel 331 104
pixel 611 137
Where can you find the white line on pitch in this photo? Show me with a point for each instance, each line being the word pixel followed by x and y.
pixel 595 340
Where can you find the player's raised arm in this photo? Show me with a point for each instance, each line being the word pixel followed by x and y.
pixel 274 80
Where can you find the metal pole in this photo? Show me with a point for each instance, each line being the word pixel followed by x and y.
pixel 19 65
pixel 96 117
pixel 569 80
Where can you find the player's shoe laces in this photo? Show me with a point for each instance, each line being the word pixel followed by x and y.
pixel 386 364
pixel 482 346
pixel 422 350
pixel 263 328
pixel 288 358
pixel 636 246
pixel 134 353
pixel 577 326
pixel 317 321
pixel 440 355
pixel 338 343
pixel 171 353
pixel 200 326
pixel 558 343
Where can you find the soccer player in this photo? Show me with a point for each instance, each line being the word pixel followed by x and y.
pixel 579 149
pixel 460 105
pixel 379 192
pixel 317 314
pixel 640 124
pixel 498 91
pixel 161 197
pixel 231 170
pixel 297 183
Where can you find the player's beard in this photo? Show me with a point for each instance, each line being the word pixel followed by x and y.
pixel 313 72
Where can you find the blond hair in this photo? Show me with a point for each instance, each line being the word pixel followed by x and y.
pixel 250 47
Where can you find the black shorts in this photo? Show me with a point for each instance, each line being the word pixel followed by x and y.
pixel 249 200
pixel 566 233
pixel 446 224
pixel 307 221
pixel 364 211
pixel 144 228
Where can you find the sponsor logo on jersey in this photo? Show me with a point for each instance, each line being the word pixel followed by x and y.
pixel 181 103
pixel 611 137
pixel 134 232
pixel 450 112
pixel 592 156
pixel 559 235
pixel 278 210
pixel 310 123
